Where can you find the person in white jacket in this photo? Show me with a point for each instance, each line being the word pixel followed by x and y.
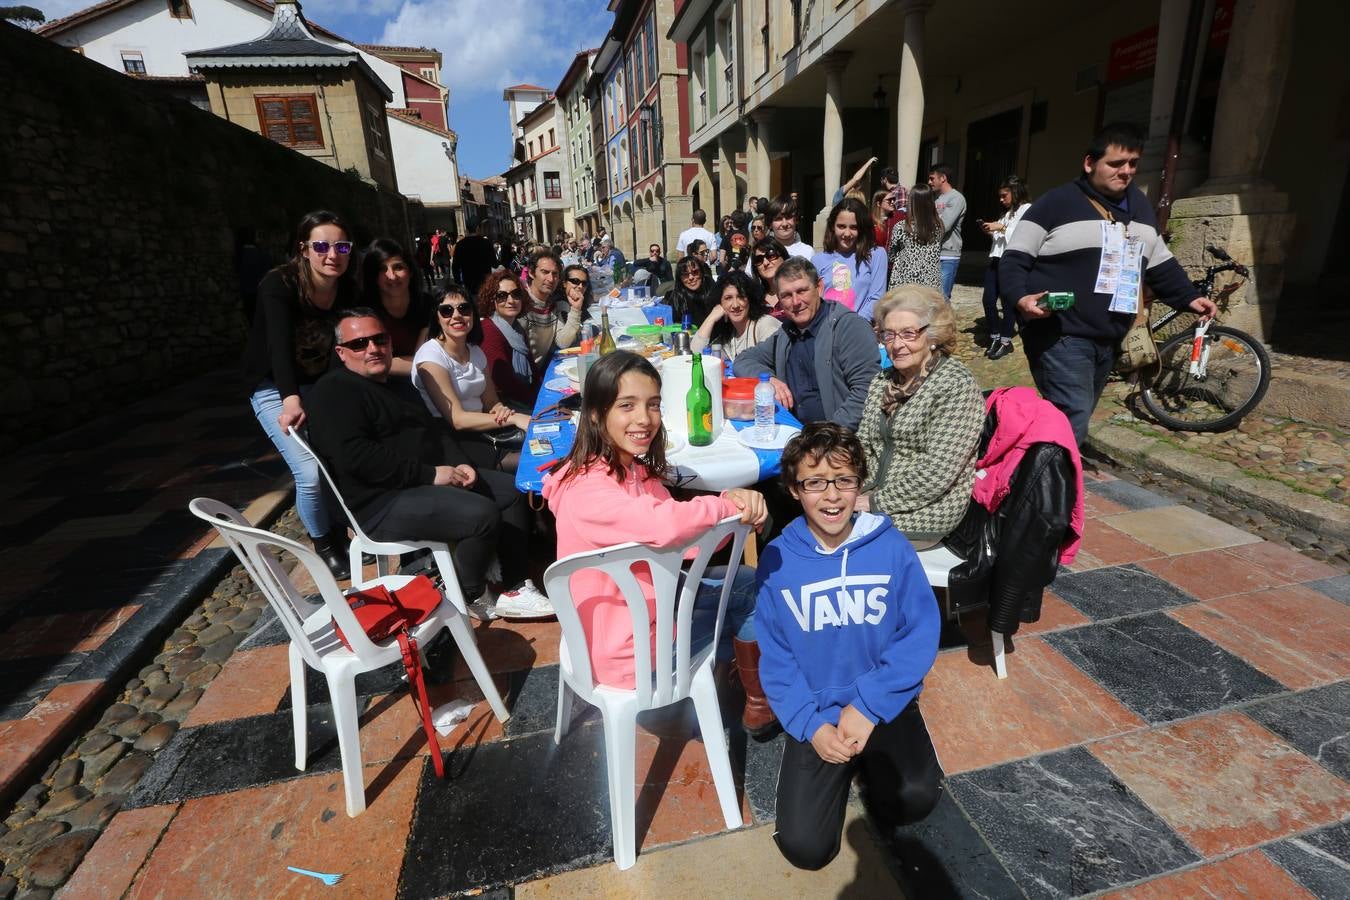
pixel 1016 200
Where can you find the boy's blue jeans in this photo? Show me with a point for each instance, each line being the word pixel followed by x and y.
pixel 740 618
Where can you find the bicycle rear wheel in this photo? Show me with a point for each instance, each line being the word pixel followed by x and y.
pixel 1235 380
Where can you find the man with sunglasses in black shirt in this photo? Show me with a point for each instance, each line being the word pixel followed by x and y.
pixel 405 477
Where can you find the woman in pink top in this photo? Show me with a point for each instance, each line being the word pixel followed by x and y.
pixel 608 491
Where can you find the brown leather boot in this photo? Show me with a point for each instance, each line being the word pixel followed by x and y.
pixel 758 719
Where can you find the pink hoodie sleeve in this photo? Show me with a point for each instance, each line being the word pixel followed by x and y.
pixel 603 513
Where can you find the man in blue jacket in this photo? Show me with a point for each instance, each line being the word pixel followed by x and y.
pixel 848 628
pixel 1097 238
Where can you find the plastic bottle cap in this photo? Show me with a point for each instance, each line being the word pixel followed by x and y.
pixel 763 376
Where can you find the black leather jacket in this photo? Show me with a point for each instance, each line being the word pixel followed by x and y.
pixel 1013 554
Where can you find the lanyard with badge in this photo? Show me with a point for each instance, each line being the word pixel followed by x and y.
pixel 1121 269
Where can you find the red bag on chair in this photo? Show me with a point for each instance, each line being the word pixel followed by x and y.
pixel 383 614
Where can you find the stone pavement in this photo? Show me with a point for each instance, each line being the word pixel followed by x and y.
pixel 101 556
pixel 1178 721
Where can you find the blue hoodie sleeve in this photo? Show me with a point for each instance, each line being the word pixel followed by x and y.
pixel 792 700
pixel 876 283
pixel 884 692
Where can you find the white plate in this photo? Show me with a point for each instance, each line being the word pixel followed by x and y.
pixel 567 369
pixel 782 434
pixel 560 385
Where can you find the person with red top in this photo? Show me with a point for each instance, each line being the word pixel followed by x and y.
pixel 608 490
pixel 501 300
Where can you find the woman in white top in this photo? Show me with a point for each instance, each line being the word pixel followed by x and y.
pixel 451 373
pixel 1016 201
pixel 739 321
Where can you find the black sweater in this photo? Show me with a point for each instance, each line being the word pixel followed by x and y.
pixel 1057 247
pixel 291 342
pixel 375 440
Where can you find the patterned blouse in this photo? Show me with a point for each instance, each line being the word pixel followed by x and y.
pixel 912 262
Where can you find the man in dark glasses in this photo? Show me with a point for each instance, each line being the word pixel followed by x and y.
pixel 405 477
pixel 657 264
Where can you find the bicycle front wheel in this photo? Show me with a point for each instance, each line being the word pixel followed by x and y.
pixel 1235 379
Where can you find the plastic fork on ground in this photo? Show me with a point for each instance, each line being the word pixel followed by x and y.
pixel 322 876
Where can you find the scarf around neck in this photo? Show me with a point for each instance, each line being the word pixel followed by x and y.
pixel 520 352
pixel 897 394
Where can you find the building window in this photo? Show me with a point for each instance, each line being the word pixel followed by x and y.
pixel 429 73
pixel 180 9
pixel 764 37
pixel 552 141
pixel 552 186
pixel 699 81
pixel 375 127
pixel 290 119
pixel 651 49
pixel 726 47
pixel 533 194
pixel 133 63
pixel 530 153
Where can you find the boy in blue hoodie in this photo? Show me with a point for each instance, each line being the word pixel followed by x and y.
pixel 848 628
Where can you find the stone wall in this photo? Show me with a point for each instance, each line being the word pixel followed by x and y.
pixel 118 211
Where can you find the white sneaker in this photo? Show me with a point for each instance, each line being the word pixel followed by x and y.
pixel 523 602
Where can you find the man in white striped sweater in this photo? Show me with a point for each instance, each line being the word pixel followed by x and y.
pixel 1096 237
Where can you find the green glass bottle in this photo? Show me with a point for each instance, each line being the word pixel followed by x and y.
pixel 606 343
pixel 698 405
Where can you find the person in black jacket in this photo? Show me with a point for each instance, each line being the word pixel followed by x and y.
pixel 290 344
pixel 405 477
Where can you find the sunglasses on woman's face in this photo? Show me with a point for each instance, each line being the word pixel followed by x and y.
pixel 518 294
pixel 764 257
pixel 322 247
pixel 447 310
pixel 578 282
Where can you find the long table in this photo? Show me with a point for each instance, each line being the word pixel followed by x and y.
pixel 701 468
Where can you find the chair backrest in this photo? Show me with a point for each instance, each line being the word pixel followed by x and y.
pixel 253 546
pixel 323 470
pixel 664 679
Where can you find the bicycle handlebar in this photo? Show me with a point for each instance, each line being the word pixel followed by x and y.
pixel 1218 253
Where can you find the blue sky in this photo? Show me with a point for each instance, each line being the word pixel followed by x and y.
pixel 485 45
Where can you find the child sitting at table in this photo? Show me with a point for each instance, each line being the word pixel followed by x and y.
pixel 608 491
pixel 848 628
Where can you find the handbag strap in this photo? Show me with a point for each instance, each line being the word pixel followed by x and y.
pixel 412 662
pixel 1101 210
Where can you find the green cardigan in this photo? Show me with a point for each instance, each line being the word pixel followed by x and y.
pixel 921 461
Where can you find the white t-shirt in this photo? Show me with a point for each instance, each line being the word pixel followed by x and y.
pixel 469 379
pixel 689 235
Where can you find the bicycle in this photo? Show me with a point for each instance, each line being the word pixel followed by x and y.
pixel 1210 375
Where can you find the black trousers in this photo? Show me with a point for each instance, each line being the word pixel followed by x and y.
pixel 491 517
pixel 900 781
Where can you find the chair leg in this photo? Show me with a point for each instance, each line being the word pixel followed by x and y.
pixel 468 648
pixel 354 564
pixel 1000 666
pixel 703 690
pixel 450 584
pixel 342 690
pixel 564 722
pixel 620 723
pixel 298 707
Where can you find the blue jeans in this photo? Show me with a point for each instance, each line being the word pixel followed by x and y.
pixel 1071 373
pixel 266 403
pixel 949 265
pixel 740 618
pixel 998 327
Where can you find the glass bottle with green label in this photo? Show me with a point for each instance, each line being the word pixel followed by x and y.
pixel 698 405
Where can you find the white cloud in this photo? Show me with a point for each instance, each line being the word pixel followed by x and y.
pixel 489 44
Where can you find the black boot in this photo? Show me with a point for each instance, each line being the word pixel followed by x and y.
pixel 331 552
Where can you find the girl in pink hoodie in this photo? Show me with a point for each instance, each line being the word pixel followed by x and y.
pixel 608 491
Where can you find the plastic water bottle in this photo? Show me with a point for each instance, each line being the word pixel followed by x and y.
pixel 764 410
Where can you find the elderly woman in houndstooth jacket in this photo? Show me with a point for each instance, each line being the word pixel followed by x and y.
pixel 921 423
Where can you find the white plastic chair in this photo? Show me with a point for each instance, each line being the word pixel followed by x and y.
pixel 312 628
pixel 673 675
pixel 938 563
pixel 445 564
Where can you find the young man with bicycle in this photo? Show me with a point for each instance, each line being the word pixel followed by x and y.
pixel 1095 238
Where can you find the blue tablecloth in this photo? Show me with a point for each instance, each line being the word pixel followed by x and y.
pixel 530 475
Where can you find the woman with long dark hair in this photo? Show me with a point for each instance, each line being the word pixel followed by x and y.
pixel 916 242
pixel 765 257
pixel 289 346
pixel 693 291
pixel 451 373
pixel 392 286
pixel 740 319
pixel 852 267
pixel 1016 200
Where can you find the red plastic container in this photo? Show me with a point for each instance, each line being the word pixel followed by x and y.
pixel 738 397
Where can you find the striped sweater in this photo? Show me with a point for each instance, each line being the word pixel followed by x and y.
pixel 1057 247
